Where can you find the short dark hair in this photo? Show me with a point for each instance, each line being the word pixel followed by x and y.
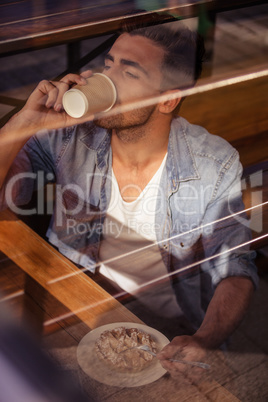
pixel 184 51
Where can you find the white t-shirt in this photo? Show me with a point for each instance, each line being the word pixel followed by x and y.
pixel 130 249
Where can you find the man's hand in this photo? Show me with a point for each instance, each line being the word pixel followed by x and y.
pixel 225 312
pixel 44 110
pixel 185 348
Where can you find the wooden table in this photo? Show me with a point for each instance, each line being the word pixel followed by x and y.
pixel 93 307
pixel 57 276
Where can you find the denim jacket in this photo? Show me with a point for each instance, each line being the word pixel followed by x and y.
pixel 198 219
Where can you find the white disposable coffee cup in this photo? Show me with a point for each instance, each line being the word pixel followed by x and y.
pixel 98 95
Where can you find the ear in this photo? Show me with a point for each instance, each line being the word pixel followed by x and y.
pixel 170 102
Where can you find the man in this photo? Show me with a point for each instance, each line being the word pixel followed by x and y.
pixel 105 170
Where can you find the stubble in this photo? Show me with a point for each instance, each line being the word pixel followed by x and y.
pixel 130 127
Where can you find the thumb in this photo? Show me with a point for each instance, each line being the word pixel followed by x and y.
pixel 167 352
pixel 175 346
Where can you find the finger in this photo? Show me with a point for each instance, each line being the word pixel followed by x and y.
pixel 173 367
pixel 45 93
pixel 71 79
pixel 86 74
pixel 52 94
pixel 62 88
pixel 40 94
pixel 176 346
pixel 56 92
pixel 65 83
pixel 168 352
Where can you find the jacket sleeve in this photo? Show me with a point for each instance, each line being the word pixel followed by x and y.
pixel 32 169
pixel 226 240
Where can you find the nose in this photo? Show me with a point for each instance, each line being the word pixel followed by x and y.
pixel 113 75
pixel 109 73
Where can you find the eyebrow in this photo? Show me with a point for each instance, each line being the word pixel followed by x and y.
pixel 128 63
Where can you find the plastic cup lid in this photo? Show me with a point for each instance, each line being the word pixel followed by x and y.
pixel 75 103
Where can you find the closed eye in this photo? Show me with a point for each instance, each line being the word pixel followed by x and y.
pixel 136 77
pixel 109 59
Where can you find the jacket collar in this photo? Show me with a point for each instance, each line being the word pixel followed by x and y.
pixel 98 140
pixel 181 164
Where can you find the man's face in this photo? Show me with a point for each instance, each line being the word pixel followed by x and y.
pixel 134 65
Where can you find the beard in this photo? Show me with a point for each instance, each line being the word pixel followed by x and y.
pixel 130 126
